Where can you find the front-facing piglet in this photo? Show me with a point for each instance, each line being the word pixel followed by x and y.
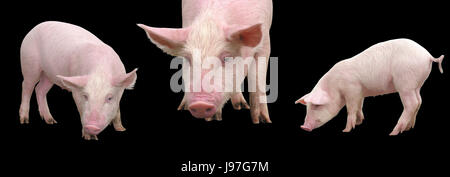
pixel 76 60
pixel 215 34
pixel 399 65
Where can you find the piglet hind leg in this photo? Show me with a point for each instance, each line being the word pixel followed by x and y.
pixel 117 123
pixel 31 74
pixel 411 104
pixel 360 114
pixel 27 90
pixel 41 90
pixel 419 98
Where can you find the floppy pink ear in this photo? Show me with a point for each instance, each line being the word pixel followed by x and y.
pixel 75 82
pixel 128 80
pixel 246 35
pixel 319 97
pixel 302 99
pixel 170 40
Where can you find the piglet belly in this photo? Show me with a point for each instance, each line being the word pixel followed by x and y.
pixel 378 86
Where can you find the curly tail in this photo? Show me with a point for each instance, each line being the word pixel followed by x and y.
pixel 439 61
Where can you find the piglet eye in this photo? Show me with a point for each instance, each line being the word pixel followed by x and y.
pixel 315 106
pixel 85 96
pixel 109 97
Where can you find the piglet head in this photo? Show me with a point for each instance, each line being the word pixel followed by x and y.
pixel 208 47
pixel 97 98
pixel 320 109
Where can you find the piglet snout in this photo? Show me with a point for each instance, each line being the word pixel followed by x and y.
pixel 309 125
pixel 306 128
pixel 92 129
pixel 202 109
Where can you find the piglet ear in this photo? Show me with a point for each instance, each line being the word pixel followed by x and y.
pixel 302 99
pixel 318 97
pixel 127 81
pixel 75 82
pixel 170 40
pixel 246 35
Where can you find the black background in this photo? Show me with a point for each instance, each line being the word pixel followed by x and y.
pixel 307 38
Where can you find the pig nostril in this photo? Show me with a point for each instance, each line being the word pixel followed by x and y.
pixel 202 109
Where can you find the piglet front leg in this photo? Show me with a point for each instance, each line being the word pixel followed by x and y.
pixel 87 136
pixel 117 123
pixel 258 99
pixel 238 101
pixel 258 108
pixel 182 105
pixel 217 116
pixel 354 110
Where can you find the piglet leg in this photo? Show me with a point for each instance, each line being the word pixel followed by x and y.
pixel 117 123
pixel 360 114
pixel 27 90
pixel 258 100
pixel 31 74
pixel 41 95
pixel 238 101
pixel 411 105
pixel 87 136
pixel 258 110
pixel 354 105
pixel 419 98
pixel 182 105
pixel 217 116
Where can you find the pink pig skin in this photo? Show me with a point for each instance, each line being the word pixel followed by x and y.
pixel 74 59
pixel 215 27
pixel 399 65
